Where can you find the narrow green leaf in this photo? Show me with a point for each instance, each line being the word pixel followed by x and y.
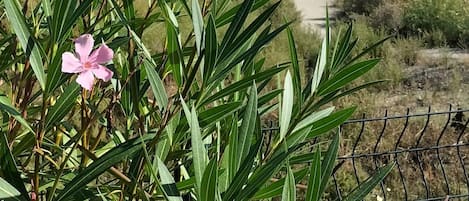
pixel 6 106
pixel 215 114
pixel 310 119
pixel 275 189
pixel 129 10
pixel 295 64
pixel 289 188
pixel 303 128
pixel 198 23
pixel 287 106
pixel 163 147
pixel 248 125
pixel 46 6
pixel 229 15
pixel 328 42
pixel 328 162
pixel 211 48
pixel 268 109
pixel 264 99
pixel 78 13
pixel 218 6
pixel 186 110
pixel 8 192
pixel 55 76
pixel 347 75
pixel 320 66
pixel 63 105
pixel 157 85
pixel 210 181
pixel 264 173
pixel 190 182
pixel 169 14
pixel 103 163
pixel 27 41
pixel 175 56
pixel 66 13
pixel 258 44
pixel 142 46
pixel 186 7
pixel 258 66
pixel 241 177
pixel 314 181
pixel 302 158
pixel 135 37
pixel 62 12
pixel 236 25
pixel 249 31
pixel 243 84
pixel 368 49
pixel 199 154
pixel 343 48
pixel 331 121
pixel 186 184
pixel 126 97
pixel 332 96
pixel 365 188
pixel 168 184
pixel 347 53
pixel 233 147
pixel 8 167
pixel 26 142
pixel 212 115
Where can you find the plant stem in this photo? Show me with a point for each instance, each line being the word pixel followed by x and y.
pixel 36 172
pixel 37 150
pixel 62 167
pixel 84 122
pixel 75 145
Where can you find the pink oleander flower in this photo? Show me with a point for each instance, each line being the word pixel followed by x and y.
pixel 86 63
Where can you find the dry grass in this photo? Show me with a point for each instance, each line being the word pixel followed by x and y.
pixel 418 78
pixel 408 161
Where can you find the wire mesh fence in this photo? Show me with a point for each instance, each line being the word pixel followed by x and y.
pixel 429 149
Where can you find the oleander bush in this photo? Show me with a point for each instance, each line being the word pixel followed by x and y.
pixel 90 113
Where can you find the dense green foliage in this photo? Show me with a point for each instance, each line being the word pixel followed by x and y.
pixel 183 121
pixel 437 22
pixel 451 18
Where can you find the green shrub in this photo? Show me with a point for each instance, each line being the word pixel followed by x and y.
pixel 448 16
pixel 358 6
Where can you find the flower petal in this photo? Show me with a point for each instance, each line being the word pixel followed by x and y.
pixel 86 80
pixel 70 63
pixel 102 55
pixel 103 73
pixel 83 46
